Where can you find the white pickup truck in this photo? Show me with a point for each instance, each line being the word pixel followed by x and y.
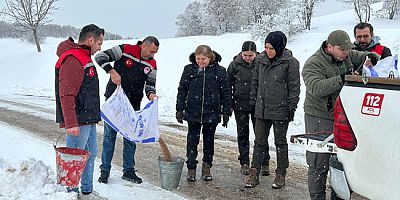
pixel 366 139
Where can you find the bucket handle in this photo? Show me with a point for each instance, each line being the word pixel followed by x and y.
pixel 55 144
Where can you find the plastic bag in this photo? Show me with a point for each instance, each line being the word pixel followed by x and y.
pixel 384 68
pixel 136 126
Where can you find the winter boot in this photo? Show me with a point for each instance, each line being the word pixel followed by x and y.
pixel 131 176
pixel 279 181
pixel 265 170
pixel 206 172
pixel 104 175
pixel 191 176
pixel 253 179
pixel 91 196
pixel 244 169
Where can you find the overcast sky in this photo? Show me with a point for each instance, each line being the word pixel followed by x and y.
pixel 133 18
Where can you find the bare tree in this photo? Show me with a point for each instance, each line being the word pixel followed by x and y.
pixel 362 8
pixel 391 7
pixel 256 9
pixel 223 16
pixel 307 7
pixel 190 22
pixel 30 14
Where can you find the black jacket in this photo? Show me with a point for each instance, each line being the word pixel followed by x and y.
pixel 136 74
pixel 239 76
pixel 204 93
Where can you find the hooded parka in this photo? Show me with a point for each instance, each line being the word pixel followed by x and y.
pixel 203 93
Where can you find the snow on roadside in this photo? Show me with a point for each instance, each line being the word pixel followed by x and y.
pixel 30 179
pixel 27 171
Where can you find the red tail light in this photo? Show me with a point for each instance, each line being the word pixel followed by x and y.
pixel 344 135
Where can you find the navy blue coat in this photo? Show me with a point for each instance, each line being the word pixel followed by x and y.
pixel 203 93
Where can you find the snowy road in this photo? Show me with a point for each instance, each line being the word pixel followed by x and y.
pixel 227 182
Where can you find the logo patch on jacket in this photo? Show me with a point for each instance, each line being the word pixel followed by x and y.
pixel 146 70
pixel 91 71
pixel 128 62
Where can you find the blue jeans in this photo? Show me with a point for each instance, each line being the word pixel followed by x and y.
pixel 128 155
pixel 86 140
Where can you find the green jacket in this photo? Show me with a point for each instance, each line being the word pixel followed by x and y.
pixel 275 87
pixel 321 75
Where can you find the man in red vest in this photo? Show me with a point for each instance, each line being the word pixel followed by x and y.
pixel 367 41
pixel 135 69
pixel 77 96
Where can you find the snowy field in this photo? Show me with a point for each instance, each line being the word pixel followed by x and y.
pixel 29 173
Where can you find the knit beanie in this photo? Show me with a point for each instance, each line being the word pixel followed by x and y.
pixel 278 40
pixel 249 46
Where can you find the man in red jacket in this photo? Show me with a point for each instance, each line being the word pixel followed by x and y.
pixel 77 96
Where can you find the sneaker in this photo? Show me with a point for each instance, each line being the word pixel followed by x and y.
pixel 265 170
pixel 252 179
pixel 244 169
pixel 131 176
pixel 104 175
pixel 206 172
pixel 191 176
pixel 279 181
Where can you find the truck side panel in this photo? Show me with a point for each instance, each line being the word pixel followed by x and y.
pixel 372 169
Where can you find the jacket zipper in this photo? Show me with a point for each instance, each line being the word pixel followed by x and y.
pixel 202 99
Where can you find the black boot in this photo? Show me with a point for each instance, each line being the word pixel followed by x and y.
pixel 131 176
pixel 104 175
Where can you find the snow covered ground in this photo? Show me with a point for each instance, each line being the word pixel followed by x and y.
pixel 29 173
pixel 28 76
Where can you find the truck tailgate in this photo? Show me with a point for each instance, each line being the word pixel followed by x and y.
pixel 315 142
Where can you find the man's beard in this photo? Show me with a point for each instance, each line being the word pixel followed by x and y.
pixel 363 45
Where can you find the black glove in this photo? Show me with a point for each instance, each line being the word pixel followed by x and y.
pixel 252 108
pixel 291 115
pixel 342 76
pixel 225 119
pixel 179 116
pixel 373 59
pixel 344 70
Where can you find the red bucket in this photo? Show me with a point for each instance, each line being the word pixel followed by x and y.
pixel 70 163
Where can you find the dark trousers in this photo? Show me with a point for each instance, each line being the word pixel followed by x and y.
pixel 261 146
pixel 318 163
pixel 243 132
pixel 193 139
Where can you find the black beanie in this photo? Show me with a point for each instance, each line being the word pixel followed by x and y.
pixel 249 46
pixel 278 40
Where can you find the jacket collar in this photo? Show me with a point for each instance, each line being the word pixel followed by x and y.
pixel 263 57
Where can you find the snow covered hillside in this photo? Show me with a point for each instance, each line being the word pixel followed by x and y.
pixel 28 76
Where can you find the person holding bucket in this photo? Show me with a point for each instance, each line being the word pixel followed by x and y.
pixel 77 96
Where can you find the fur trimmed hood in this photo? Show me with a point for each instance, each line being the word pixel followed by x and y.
pixel 218 58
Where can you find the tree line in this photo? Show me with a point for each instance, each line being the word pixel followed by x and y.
pixel 259 17
pixel 10 30
pixel 29 19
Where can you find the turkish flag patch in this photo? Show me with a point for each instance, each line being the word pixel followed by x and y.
pixel 128 62
pixel 91 71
